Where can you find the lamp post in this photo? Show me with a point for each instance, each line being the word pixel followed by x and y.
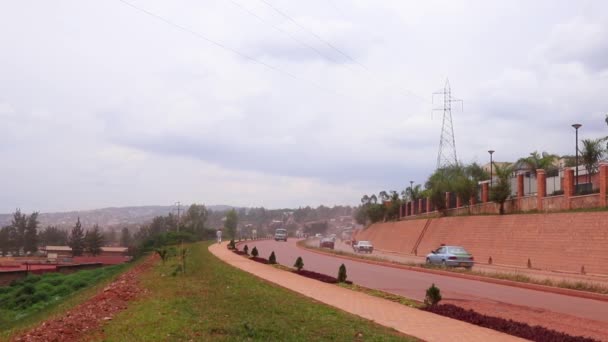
pixel 411 197
pixel 576 127
pixel 491 174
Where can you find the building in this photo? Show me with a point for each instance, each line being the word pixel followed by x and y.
pixel 66 251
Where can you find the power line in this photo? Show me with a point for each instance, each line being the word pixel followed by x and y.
pixel 282 31
pixel 222 46
pixel 285 15
pixel 288 17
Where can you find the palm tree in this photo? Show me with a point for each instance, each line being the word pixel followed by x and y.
pixel 502 189
pixel 415 193
pixel 383 195
pixel 365 199
pixel 592 153
pixel 535 161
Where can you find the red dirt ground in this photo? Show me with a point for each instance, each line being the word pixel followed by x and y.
pixel 86 318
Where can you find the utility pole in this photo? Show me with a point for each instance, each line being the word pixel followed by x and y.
pixel 447 141
pixel 179 209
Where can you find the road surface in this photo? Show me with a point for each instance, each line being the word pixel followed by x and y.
pixel 570 311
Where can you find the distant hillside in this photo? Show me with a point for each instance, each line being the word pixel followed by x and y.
pixel 106 217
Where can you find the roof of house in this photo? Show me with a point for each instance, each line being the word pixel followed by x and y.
pixel 69 249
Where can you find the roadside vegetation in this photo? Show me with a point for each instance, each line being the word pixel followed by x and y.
pixel 217 302
pixel 36 298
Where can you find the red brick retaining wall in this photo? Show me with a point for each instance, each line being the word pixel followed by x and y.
pixel 560 241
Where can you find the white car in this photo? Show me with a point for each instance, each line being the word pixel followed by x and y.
pixel 280 234
pixel 363 246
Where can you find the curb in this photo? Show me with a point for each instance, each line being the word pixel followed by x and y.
pixel 528 286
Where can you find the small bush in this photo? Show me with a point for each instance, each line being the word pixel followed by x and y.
pixel 342 274
pixel 254 252
pixel 246 250
pixel 529 263
pixel 299 264
pixel 231 244
pixel 272 259
pixel 433 296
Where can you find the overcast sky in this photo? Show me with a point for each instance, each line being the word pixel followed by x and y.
pixel 281 103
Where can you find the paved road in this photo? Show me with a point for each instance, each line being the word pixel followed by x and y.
pixel 413 284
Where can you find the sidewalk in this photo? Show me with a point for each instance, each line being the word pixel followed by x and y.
pixel 413 322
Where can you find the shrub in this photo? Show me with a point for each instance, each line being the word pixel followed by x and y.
pixel 299 264
pixel 62 290
pixel 163 253
pixel 231 244
pixel 272 259
pixel 254 252
pixel 342 274
pixel 529 263
pixel 40 297
pixel 433 296
pixel 246 250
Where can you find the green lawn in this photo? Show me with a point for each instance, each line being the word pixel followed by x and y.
pixel 215 301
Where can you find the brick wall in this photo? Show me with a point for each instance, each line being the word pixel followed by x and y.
pixel 393 236
pixel 559 241
pixel 585 201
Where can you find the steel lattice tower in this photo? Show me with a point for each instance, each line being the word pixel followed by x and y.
pixel 447 141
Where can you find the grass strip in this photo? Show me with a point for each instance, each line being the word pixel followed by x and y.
pixel 215 301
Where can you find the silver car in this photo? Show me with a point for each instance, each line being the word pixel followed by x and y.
pixel 454 256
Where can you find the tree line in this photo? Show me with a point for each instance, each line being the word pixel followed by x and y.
pixel 23 237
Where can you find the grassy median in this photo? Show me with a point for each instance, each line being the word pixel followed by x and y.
pixel 215 301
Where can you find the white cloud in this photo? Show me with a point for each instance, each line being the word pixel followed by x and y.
pixel 104 105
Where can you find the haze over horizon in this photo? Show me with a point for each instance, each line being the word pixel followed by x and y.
pixel 278 103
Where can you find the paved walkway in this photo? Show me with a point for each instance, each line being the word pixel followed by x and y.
pixel 413 322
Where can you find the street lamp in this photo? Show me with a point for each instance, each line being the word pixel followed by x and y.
pixel 412 197
pixel 491 152
pixel 576 127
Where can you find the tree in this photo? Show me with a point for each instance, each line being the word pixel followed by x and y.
pixel 592 153
pixel 502 189
pixel 19 224
pixel 30 236
pixel 535 161
pixel 195 219
pixel 94 241
pixel 383 195
pixel 76 240
pixel 125 237
pixel 53 236
pixel 231 223
pixel 109 236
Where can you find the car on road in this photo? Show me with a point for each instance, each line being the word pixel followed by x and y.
pixel 280 234
pixel 363 246
pixel 326 243
pixel 452 256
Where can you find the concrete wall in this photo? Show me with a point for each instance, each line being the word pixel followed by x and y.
pixel 559 241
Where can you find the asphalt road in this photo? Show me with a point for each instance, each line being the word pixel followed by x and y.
pixel 413 284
